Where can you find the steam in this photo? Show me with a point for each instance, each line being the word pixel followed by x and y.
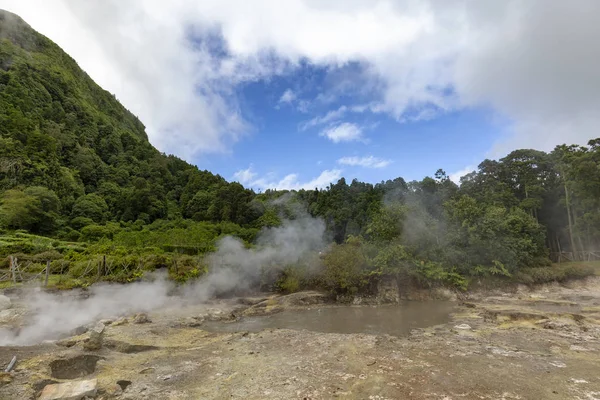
pixel 232 267
pixel 55 315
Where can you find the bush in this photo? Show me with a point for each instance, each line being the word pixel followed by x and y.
pixel 554 273
pixel 92 233
pixel 345 267
pixel 291 279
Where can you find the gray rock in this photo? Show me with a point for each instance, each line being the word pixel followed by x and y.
pixel 7 316
pixel 5 303
pixel 114 390
pixel 120 321
pixel 141 318
pixel 96 338
pixel 75 390
pixel 80 330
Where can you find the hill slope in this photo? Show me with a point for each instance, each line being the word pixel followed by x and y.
pixel 60 130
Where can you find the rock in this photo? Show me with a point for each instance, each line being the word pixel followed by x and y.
pixel 387 291
pixel 558 364
pixel 5 302
pixel 106 322
pixel 7 316
pixel 578 380
pixel 551 324
pixel 114 390
pixel 463 327
pixel 68 342
pixel 148 370
pixel 75 390
pixel 575 347
pixel 120 321
pixel 5 378
pixel 444 294
pixel 80 330
pixel 191 322
pixel 302 299
pixel 141 318
pixel 96 337
pixel 39 385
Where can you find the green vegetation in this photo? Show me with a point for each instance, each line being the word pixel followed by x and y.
pixel 81 186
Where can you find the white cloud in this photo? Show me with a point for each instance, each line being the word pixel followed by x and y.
pixel 367 162
pixel 245 176
pixel 455 176
pixel 287 97
pixel 535 62
pixel 344 132
pixel 331 116
pixel 289 182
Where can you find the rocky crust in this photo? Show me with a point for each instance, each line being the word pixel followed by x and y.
pixel 524 344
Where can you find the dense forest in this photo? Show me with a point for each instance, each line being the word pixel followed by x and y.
pixel 79 180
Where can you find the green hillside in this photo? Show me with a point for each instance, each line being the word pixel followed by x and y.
pixel 61 131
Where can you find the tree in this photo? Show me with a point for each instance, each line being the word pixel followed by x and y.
pixel 90 206
pixel 35 209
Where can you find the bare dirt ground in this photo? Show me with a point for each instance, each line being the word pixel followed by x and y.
pixel 529 344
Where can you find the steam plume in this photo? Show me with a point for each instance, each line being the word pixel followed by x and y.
pixel 232 267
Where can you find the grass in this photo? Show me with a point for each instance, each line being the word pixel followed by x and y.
pixel 558 272
pixel 55 281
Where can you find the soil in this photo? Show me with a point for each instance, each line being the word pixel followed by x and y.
pixel 540 343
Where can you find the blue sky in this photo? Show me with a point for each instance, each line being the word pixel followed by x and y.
pixel 297 93
pixel 280 143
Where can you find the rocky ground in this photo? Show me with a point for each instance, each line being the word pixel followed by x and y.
pixel 527 344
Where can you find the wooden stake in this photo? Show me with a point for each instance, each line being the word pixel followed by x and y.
pixel 12 269
pixel 47 272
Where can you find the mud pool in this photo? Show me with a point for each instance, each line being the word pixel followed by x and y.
pixel 396 320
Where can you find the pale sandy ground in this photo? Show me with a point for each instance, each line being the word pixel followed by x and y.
pixel 540 344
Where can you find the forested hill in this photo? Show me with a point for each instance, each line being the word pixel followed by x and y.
pixel 60 130
pixel 77 167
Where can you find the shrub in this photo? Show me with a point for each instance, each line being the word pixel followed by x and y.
pixel 554 273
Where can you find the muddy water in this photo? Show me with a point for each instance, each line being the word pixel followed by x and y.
pixel 393 320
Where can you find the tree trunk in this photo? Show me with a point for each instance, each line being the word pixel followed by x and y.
pixel 570 220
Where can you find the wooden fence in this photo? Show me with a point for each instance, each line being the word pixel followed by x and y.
pixel 570 256
pixel 27 271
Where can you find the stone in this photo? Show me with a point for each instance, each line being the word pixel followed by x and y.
pixel 463 327
pixel 578 380
pixel 106 322
pixel 74 390
pixel 551 324
pixel 5 378
pixel 96 337
pixel 558 364
pixel 68 342
pixel 7 316
pixel 192 322
pixel 141 318
pixel 80 330
pixel 5 302
pixel 120 321
pixel 114 390
pixel 575 347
